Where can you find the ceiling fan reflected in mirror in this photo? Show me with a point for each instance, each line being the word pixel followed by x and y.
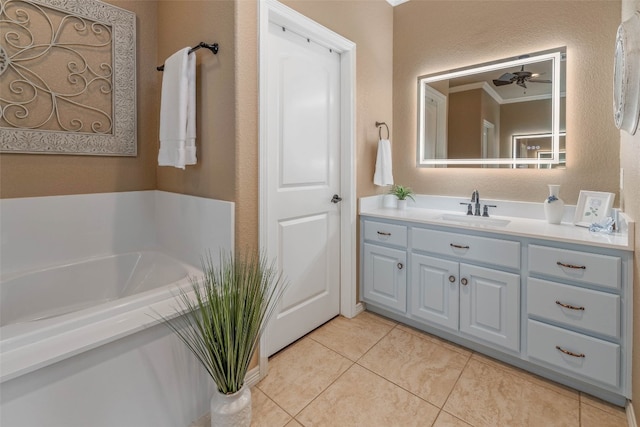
pixel 521 78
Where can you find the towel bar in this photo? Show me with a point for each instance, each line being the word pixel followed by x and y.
pixel 212 47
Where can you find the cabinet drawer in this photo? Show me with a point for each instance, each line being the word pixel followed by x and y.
pixel 592 358
pixel 391 234
pixel 483 249
pixel 583 308
pixel 584 267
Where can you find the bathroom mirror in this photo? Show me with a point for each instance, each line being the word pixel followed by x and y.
pixel 67 78
pixel 487 115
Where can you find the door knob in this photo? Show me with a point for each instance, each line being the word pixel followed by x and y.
pixel 452 278
pixel 464 281
pixel 336 199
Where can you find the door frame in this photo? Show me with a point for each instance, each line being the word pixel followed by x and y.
pixel 274 11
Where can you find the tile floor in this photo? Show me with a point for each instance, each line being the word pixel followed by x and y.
pixel 370 371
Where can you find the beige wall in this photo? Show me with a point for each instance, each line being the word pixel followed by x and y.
pixel 28 175
pixel 630 162
pixel 432 36
pixel 186 23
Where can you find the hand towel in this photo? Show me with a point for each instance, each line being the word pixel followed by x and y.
pixel 383 174
pixel 177 111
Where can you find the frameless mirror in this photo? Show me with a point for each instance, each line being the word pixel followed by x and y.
pixel 507 113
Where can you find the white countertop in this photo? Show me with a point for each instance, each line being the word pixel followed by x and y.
pixel 532 227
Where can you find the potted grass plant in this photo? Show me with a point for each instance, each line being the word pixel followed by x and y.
pixel 402 193
pixel 220 319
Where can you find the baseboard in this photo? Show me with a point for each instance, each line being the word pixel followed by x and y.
pixel 631 416
pixel 253 376
pixel 359 308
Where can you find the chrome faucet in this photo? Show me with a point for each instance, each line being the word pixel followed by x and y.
pixel 475 198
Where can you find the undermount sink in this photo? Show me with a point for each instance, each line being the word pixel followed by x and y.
pixel 475 220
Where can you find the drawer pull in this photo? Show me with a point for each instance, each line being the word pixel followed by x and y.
pixel 384 233
pixel 452 278
pixel 570 353
pixel 458 246
pixel 577 267
pixel 570 307
pixel 464 281
pixel 400 266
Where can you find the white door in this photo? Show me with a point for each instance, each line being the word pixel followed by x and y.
pixel 303 175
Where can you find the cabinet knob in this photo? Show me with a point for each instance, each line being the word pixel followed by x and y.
pixel 400 266
pixel 452 278
pixel 464 281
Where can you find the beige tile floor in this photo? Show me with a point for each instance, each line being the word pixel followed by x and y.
pixel 370 371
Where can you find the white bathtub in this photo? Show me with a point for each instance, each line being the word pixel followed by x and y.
pixel 40 310
pixel 80 338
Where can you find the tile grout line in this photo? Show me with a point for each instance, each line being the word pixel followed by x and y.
pixel 323 390
pixel 454 387
pixel 525 376
pixel 339 376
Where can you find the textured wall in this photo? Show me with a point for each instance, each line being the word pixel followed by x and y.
pixel 432 36
pixel 630 162
pixel 246 107
pixel 28 175
pixel 184 23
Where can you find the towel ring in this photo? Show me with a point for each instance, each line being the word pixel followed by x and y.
pixel 379 126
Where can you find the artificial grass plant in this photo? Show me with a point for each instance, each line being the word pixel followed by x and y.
pixel 223 314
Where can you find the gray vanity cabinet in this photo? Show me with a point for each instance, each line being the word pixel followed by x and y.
pixel 384 272
pixel 556 308
pixel 479 302
pixel 385 277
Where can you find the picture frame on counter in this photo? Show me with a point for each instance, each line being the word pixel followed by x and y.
pixel 592 207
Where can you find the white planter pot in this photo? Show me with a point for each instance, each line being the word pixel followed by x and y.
pixel 231 410
pixel 402 204
pixel 553 206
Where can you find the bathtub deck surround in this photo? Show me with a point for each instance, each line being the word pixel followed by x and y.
pixel 554 299
pixel 76 366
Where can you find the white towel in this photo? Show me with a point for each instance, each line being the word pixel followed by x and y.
pixel 383 174
pixel 177 111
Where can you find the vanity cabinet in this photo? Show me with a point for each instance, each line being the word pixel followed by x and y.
pixel 477 301
pixel 384 265
pixel 557 308
pixel 574 312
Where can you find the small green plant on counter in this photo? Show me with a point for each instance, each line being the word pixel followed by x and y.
pixel 402 192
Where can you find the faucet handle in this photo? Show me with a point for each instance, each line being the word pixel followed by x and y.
pixel 485 211
pixel 469 209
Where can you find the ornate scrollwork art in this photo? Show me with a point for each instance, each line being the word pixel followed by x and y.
pixel 67 78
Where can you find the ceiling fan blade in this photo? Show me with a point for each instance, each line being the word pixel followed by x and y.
pixel 507 77
pixel 502 82
pixel 539 81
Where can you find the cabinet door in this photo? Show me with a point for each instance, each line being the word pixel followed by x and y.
pixel 385 277
pixel 490 305
pixel 434 290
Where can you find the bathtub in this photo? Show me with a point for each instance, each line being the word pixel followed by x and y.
pixel 40 310
pixel 80 338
